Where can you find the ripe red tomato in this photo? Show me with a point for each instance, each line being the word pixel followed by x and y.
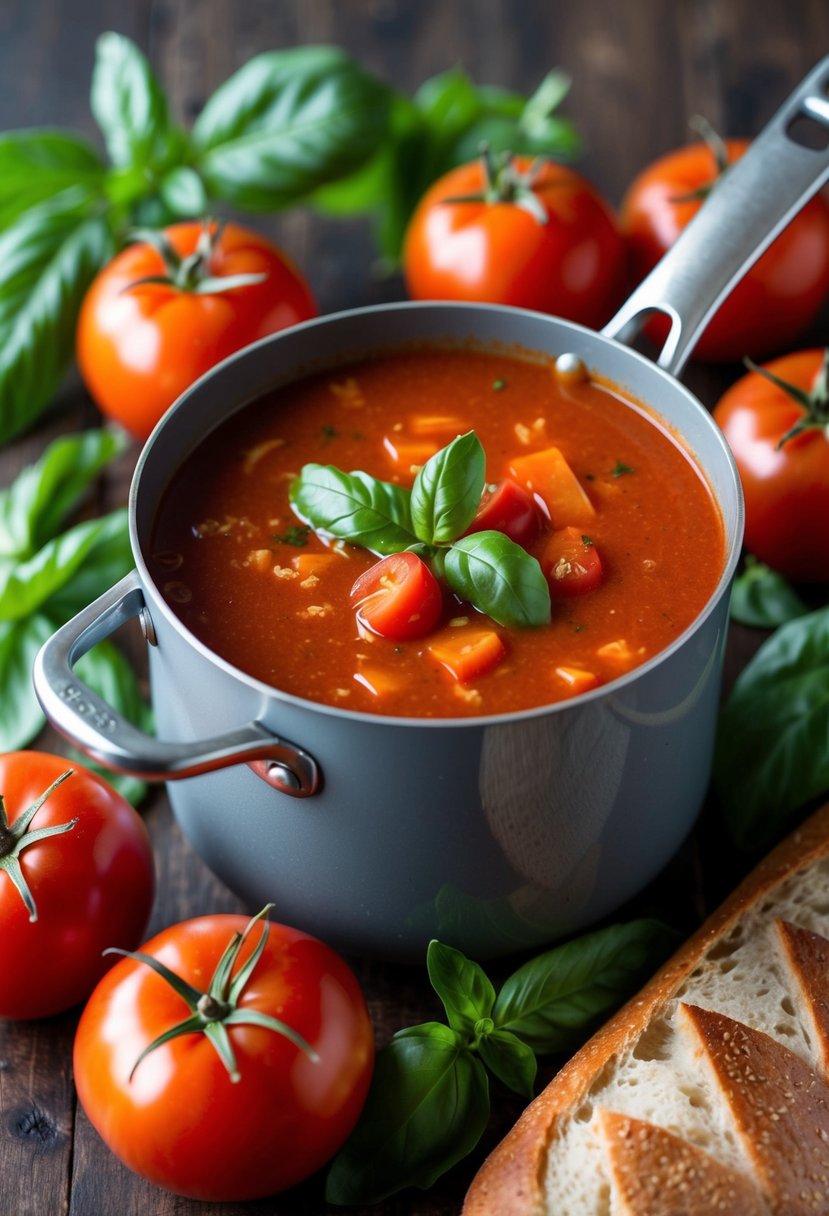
pixel 786 485
pixel 398 597
pixel 571 562
pixel 140 344
pixel 510 509
pixel 271 1113
pixel 782 293
pixel 91 884
pixel 568 260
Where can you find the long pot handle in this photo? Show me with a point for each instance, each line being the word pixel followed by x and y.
pixel 752 203
pixel 102 733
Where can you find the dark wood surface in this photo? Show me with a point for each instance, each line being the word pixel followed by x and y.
pixel 639 71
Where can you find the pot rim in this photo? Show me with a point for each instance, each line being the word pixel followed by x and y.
pixel 733 536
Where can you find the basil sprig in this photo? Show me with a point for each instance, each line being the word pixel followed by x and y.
pixel 48 574
pixel 762 598
pixel 771 756
pixel 487 569
pixel 429 1101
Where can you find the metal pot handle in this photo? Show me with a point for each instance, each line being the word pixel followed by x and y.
pixel 753 201
pixel 97 729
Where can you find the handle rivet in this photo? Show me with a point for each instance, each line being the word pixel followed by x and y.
pixel 281 777
pixel 147 627
pixel 570 367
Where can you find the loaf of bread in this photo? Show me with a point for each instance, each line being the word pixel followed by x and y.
pixel 708 1093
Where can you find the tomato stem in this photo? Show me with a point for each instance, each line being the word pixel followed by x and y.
pixel 16 837
pixel 191 273
pixel 814 402
pixel 504 183
pixel 211 1012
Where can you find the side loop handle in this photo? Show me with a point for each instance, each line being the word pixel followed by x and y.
pixel 752 203
pixel 101 732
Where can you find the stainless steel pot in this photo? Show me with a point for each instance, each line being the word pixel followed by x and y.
pixel 492 834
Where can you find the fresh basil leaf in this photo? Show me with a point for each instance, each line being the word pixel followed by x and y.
pixel 762 598
pixel 48 257
pixel 44 493
pixel 509 1059
pixel 461 984
pixel 108 673
pixel 130 107
pixel 553 1000
pixel 355 507
pixel 426 1110
pixel 183 193
pixel 771 756
pixel 287 122
pixel 499 578
pixel 447 490
pixel 21 718
pixel 71 563
pixel 36 165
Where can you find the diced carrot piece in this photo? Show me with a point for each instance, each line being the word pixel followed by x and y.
pixel 408 454
pixel 577 679
pixel 378 681
pixel 467 653
pixel 549 475
pixel 306 564
pixel 621 653
pixel 436 424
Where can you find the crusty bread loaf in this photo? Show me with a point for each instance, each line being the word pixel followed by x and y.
pixel 708 1093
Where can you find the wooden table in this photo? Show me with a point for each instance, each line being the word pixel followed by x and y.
pixel 639 70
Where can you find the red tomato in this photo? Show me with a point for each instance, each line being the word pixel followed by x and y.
pixel 91 884
pixel 179 1117
pixel 779 297
pixel 786 486
pixel 569 260
pixel 571 562
pixel 398 597
pixel 140 344
pixel 510 509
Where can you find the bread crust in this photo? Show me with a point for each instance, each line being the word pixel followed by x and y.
pixel 511 1180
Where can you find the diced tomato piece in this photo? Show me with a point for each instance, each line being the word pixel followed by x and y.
pixel 510 509
pixel 408 454
pixel 398 597
pixel 621 653
pixel 571 562
pixel 467 653
pixel 307 564
pixel 548 474
pixel 378 680
pixel 577 679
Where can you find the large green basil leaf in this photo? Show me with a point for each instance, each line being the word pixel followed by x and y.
pixel 37 164
pixel 553 1000
pixel 355 507
pixel 130 106
pixel 447 490
pixel 427 1108
pixel 43 494
pixel 461 984
pixel 48 257
pixel 287 122
pixel 762 598
pixel 21 717
pixel 85 555
pixel 771 755
pixel 499 578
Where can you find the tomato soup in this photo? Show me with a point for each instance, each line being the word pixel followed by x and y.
pixel 265 591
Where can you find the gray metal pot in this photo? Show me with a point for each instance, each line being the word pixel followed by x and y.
pixel 493 834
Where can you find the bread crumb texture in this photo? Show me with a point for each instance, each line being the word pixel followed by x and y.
pixel 720 1106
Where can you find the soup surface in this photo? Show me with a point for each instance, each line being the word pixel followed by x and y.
pixel 263 590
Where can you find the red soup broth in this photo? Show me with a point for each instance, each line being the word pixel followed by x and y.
pixel 272 598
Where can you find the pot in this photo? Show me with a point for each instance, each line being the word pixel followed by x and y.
pixel 492 834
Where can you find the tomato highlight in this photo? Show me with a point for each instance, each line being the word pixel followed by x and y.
pixel 510 509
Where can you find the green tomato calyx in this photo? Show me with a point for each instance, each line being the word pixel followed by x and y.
pixel 16 837
pixel 213 1011
pixel 191 273
pixel 814 401
pixel 505 183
